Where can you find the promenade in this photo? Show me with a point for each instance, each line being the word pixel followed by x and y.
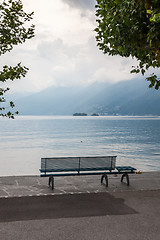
pixel 80 208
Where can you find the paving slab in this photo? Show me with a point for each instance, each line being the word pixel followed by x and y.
pixel 17 186
pixel 80 208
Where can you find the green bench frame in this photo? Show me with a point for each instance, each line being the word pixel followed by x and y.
pixel 76 166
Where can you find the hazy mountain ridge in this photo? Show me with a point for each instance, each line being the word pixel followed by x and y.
pixel 124 98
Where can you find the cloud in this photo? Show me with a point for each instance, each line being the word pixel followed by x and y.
pixel 81 4
pixel 58 63
pixel 64 50
pixel 57 19
pixel 86 8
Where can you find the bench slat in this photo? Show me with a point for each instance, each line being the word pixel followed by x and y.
pixel 97 162
pixel 78 163
pixel 75 170
pixel 125 168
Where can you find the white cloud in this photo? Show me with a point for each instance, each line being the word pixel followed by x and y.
pixel 81 4
pixel 55 19
pixel 64 50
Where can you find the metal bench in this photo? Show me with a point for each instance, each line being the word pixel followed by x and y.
pixel 76 166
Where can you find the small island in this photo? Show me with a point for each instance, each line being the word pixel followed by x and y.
pixel 80 114
pixel 95 114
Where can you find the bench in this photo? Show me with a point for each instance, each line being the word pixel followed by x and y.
pixel 76 166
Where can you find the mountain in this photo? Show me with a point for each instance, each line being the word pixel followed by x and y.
pixel 132 97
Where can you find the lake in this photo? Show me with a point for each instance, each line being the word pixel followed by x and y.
pixel 134 140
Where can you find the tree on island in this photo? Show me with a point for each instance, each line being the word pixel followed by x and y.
pixel 80 114
pixel 131 28
pixel 13 31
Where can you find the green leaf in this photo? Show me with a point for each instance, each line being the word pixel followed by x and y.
pixel 149 11
pixel 14 30
pixel 124 29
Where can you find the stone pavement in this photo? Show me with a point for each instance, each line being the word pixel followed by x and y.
pixel 17 186
pixel 80 208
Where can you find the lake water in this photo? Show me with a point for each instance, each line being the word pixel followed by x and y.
pixel 134 140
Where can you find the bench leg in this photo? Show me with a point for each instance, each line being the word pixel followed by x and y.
pixel 106 178
pixel 51 182
pixel 127 178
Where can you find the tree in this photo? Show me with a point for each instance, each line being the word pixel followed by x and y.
pixel 131 28
pixel 13 31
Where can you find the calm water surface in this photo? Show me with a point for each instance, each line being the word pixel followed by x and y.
pixel 134 140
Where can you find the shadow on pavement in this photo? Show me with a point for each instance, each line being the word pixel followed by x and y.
pixel 62 206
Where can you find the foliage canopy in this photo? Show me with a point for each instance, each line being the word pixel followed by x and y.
pixel 13 31
pixel 131 28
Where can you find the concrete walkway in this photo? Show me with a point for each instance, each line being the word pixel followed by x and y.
pixel 17 186
pixel 80 208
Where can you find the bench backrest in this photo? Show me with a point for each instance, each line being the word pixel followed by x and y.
pixel 62 164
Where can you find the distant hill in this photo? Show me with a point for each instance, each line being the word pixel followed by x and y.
pixel 131 97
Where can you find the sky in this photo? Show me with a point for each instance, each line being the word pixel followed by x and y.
pixel 63 51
